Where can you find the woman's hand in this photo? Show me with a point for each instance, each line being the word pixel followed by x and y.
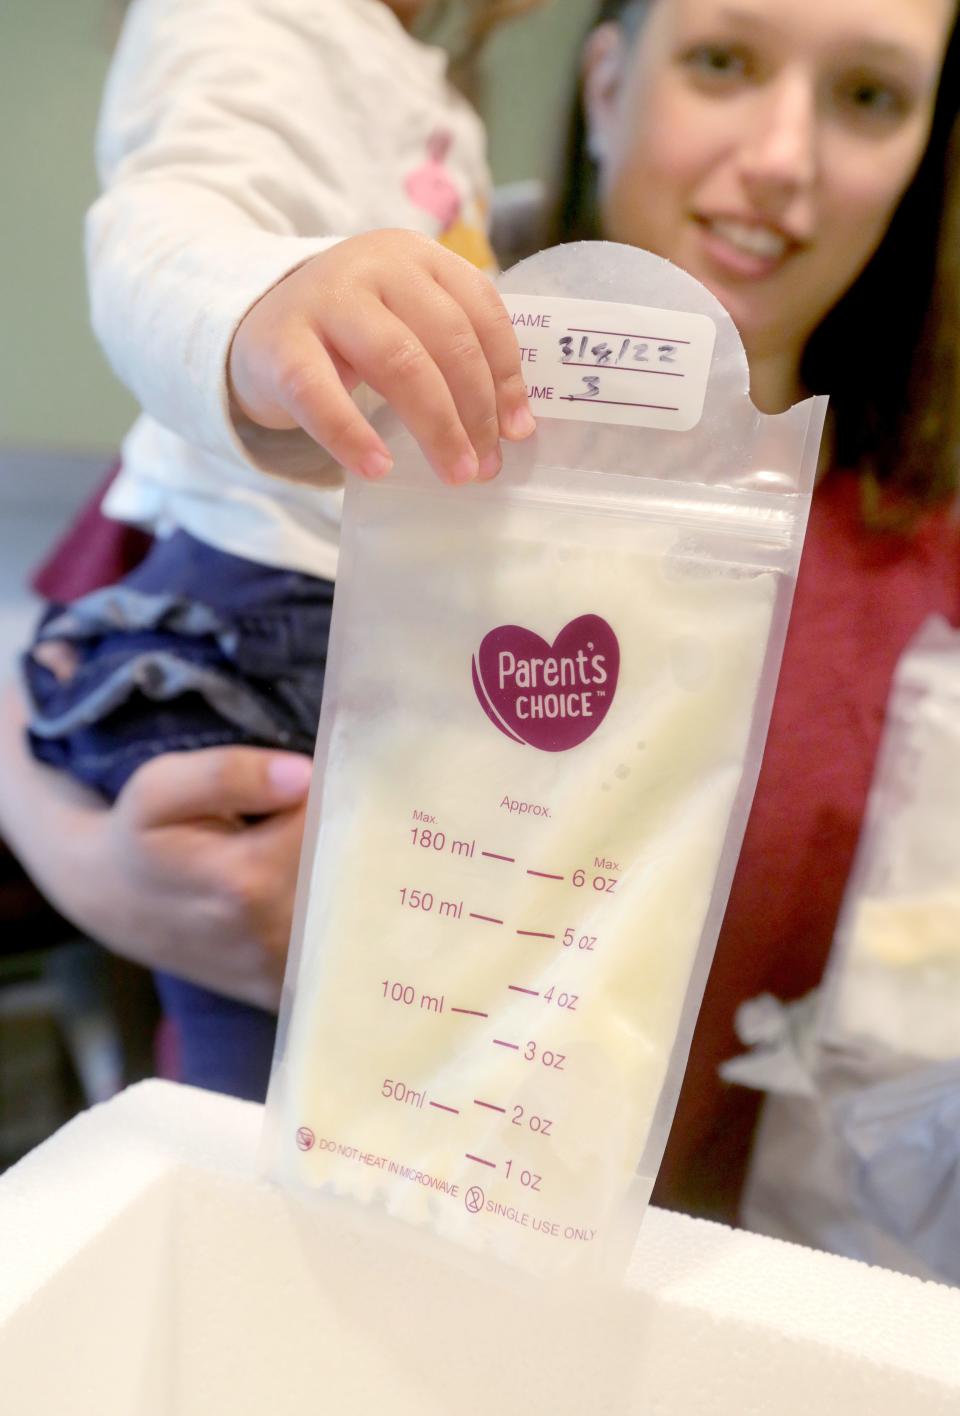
pixel 421 326
pixel 175 875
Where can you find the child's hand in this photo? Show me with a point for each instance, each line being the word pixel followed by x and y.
pixel 422 327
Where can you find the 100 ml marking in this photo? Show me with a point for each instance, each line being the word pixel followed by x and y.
pixel 406 994
pixel 425 901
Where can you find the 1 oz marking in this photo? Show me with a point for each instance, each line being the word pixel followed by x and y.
pixel 487 919
pixel 480 1160
pixel 440 1107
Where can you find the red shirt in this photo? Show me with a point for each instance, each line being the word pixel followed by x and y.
pixel 860 597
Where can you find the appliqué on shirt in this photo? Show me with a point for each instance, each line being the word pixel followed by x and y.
pixel 431 188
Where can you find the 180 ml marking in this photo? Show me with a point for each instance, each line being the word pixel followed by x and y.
pixel 406 994
pixel 437 841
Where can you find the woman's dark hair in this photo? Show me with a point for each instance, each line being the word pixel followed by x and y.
pixel 888 353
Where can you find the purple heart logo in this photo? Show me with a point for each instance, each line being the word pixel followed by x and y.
pixel 549 697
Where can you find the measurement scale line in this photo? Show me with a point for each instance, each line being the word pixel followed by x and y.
pixel 471 1012
pixel 544 875
pixel 622 369
pixel 618 403
pixel 487 919
pixel 492 855
pixel 440 1107
pixel 535 934
pixel 480 1160
pixel 515 988
pixel 489 1105
pixel 619 334
pixel 499 1042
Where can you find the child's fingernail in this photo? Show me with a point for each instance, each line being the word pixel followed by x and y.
pixel 490 465
pixel 290 773
pixel 376 465
pixel 466 468
pixel 520 424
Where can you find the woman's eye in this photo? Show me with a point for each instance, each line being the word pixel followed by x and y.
pixel 717 61
pixel 873 98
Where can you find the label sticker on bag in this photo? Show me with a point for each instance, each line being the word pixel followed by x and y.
pixel 596 361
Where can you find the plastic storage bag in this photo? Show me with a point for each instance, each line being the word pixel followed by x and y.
pixel 545 707
pixel 864 1158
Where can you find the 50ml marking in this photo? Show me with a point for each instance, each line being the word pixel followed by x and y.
pixel 423 900
pixel 406 994
pixel 399 1091
pixel 437 841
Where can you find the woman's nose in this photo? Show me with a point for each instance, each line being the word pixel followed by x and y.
pixel 778 156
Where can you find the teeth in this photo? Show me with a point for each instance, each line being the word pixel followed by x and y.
pixel 753 240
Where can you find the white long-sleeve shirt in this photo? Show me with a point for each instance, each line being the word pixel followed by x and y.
pixel 237 139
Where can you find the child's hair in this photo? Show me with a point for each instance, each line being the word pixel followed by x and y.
pixel 888 353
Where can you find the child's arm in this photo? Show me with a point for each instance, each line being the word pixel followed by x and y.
pixel 216 190
pixel 169 876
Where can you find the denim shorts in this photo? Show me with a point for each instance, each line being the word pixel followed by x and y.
pixel 194 648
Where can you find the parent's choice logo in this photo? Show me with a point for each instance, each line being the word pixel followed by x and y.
pixel 552 697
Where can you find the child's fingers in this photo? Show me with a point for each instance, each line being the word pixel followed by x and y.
pixel 450 339
pixel 389 356
pixel 489 316
pixel 309 387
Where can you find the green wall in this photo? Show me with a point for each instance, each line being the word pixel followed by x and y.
pixel 55 389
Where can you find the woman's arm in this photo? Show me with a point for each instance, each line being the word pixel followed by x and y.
pixel 172 875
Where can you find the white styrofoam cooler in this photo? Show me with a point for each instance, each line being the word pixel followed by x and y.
pixel 145 1270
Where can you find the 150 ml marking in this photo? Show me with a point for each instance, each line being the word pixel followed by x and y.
pixel 424 900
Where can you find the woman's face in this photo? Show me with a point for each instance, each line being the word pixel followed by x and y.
pixel 764 145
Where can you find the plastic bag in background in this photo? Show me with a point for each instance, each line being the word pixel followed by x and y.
pixel 894 975
pixel 545 704
pixel 863 1158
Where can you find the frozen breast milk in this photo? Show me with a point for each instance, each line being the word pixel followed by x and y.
pixel 543 719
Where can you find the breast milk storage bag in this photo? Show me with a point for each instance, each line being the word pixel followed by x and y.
pixel 545 707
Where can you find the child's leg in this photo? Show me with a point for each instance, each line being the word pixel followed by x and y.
pixel 194 648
